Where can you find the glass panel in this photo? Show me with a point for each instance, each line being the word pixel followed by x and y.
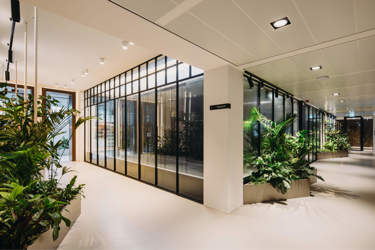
pixel 160 78
pixel 279 110
pixel 128 76
pixel 101 134
pixel 143 82
pixel 111 83
pixel 87 135
pixel 151 66
pixel 143 70
pixel 128 88
pixel 251 137
pixel 65 100
pixel 147 124
pixel 167 139
pixel 191 138
pixel 117 92
pixel 171 61
pixel 122 79
pixel 122 90
pixel 120 135
pixel 183 71
pixel 110 135
pixel 160 63
pixel 135 74
pixel 94 134
pixel 296 121
pixel 171 74
pixel 132 135
pixel 151 81
pixel 266 102
pixel 288 110
pixel 196 71
pixel 135 86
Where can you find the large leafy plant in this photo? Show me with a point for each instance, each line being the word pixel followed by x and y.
pixel 283 157
pixel 336 140
pixel 32 197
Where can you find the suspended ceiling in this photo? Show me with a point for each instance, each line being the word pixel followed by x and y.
pixel 339 35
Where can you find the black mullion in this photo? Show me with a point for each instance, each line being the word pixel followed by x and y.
pixel 125 134
pixel 139 131
pixel 84 127
pixel 273 105
pixel 308 129
pixel 284 115
pixel 91 134
pixel 177 130
pixel 105 126
pixel 292 103
pixel 155 136
pixel 97 134
pixel 258 123
pixel 114 131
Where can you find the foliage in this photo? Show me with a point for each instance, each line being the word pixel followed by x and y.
pixel 336 140
pixel 283 157
pixel 32 197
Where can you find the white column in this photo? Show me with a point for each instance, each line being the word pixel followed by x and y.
pixel 223 139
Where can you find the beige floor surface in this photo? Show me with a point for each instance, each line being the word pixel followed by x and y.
pixel 121 213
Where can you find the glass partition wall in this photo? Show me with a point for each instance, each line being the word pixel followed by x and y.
pixel 276 104
pixel 148 125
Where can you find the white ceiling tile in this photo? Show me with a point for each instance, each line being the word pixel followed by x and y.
pixel 225 17
pixel 365 14
pixel 366 53
pixel 328 19
pixel 204 36
pixel 266 11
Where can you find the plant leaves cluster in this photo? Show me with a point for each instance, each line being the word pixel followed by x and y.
pixel 336 140
pixel 32 197
pixel 282 158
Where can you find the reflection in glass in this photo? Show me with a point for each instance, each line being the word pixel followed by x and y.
pixel 120 135
pixel 101 134
pixel 94 145
pixel 190 127
pixel 110 136
pixel 278 108
pixel 167 138
pixel 296 120
pixel 251 137
pixel 147 124
pixel 132 135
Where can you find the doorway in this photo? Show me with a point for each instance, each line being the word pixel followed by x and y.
pixel 66 100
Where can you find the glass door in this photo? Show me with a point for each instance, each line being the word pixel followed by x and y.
pixel 66 100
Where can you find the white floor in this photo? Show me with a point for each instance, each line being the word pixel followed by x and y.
pixel 121 213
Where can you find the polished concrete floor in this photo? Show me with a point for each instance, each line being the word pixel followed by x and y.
pixel 121 213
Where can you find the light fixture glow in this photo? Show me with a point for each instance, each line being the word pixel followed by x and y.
pixel 85 73
pixel 280 23
pixel 124 45
pixel 314 68
pixel 131 43
pixel 101 60
pixel 336 94
pixel 342 101
pixel 322 77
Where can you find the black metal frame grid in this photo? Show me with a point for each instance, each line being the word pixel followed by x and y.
pixel 155 73
pixel 309 117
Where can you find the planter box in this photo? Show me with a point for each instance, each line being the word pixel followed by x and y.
pixel 328 155
pixel 255 193
pixel 45 241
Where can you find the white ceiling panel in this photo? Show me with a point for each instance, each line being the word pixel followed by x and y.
pixel 364 13
pixel 328 19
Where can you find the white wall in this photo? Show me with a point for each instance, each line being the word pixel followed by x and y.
pixel 223 139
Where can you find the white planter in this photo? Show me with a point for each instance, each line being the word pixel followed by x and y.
pixel 45 241
pixel 255 193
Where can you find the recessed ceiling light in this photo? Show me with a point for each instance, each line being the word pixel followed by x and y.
pixel 342 101
pixel 101 60
pixel 314 68
pixel 322 77
pixel 280 23
pixel 85 73
pixel 124 45
pixel 131 43
pixel 336 94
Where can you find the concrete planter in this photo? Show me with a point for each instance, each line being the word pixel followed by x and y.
pixel 255 193
pixel 45 241
pixel 328 155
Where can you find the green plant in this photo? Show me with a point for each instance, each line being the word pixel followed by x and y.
pixel 336 140
pixel 32 197
pixel 283 157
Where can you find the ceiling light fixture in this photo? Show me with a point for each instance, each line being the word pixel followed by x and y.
pixel 322 77
pixel 336 94
pixel 85 73
pixel 131 43
pixel 314 68
pixel 101 60
pixel 124 45
pixel 280 23
pixel 342 101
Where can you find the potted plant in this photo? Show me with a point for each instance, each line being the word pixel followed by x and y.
pixel 32 198
pixel 336 144
pixel 281 164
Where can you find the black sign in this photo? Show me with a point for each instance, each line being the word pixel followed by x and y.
pixel 220 106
